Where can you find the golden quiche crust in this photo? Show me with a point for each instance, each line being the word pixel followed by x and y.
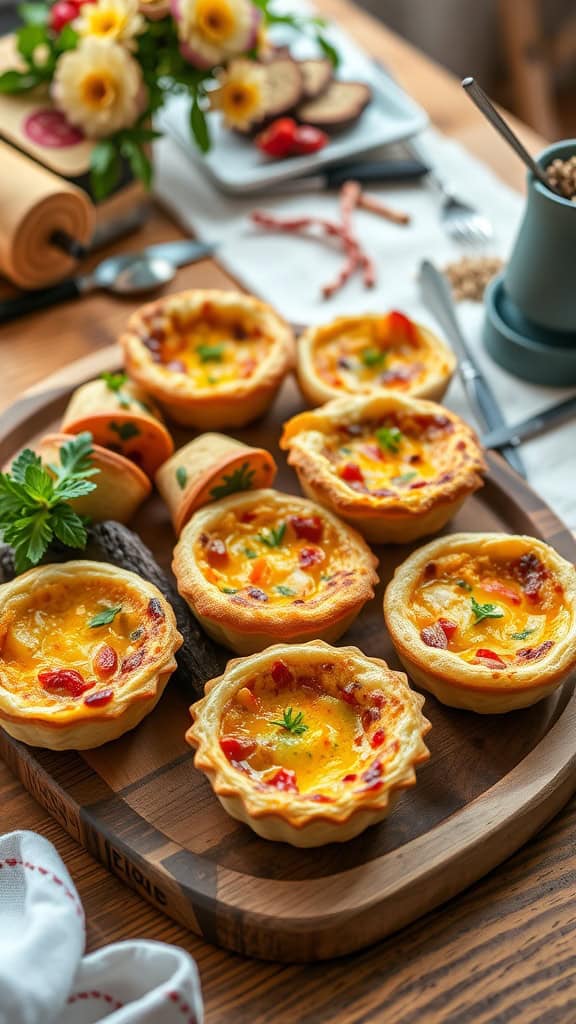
pixel 396 468
pixel 363 739
pixel 67 682
pixel 485 621
pixel 371 353
pixel 262 566
pixel 211 358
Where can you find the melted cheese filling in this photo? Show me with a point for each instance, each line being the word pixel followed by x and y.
pixel 272 554
pixel 489 612
pixel 384 353
pixel 49 631
pixel 209 350
pixel 400 454
pixel 311 734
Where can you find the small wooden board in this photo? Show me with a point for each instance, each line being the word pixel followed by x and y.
pixel 139 806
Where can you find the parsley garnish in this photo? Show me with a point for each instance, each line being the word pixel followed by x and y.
pixel 250 553
pixel 182 477
pixel 105 617
pixel 485 611
pixel 285 591
pixel 464 586
pixel 524 634
pixel 293 723
pixel 372 357
pixel 115 382
pixel 34 500
pixel 124 430
pixel 274 536
pixel 229 590
pixel 405 478
pixel 240 479
pixel 389 439
pixel 210 353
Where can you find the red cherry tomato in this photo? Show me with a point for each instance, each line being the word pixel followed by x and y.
pixel 237 749
pixel 62 12
pixel 278 138
pixel 400 325
pixel 309 140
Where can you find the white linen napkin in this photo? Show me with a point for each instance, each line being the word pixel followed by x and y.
pixel 288 271
pixel 44 978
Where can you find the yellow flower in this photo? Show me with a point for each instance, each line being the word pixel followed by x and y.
pixel 211 31
pixel 117 20
pixel 241 96
pixel 98 87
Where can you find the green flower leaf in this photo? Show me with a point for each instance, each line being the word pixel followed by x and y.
pixel 105 168
pixel 199 126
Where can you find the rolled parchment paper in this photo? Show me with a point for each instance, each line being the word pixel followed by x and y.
pixel 34 203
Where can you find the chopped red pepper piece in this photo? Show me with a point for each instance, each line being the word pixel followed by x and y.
pixel 401 325
pixel 65 681
pixel 495 587
pixel 281 674
pixel 320 798
pixel 448 627
pixel 307 527
pixel 106 661
pixel 236 748
pixel 370 716
pixel 98 699
pixel 351 777
pixel 484 654
pixel 284 780
pixel 351 473
pixel 378 738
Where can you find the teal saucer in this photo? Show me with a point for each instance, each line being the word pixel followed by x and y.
pixel 522 347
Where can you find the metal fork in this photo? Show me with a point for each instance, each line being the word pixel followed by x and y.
pixel 462 222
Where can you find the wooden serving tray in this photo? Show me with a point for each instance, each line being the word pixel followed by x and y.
pixel 139 806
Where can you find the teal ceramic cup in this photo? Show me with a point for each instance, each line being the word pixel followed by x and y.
pixel 540 278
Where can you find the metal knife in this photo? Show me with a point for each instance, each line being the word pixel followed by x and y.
pixel 437 296
pixel 554 415
pixel 381 172
pixel 177 253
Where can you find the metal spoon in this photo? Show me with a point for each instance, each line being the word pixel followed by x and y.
pixel 479 97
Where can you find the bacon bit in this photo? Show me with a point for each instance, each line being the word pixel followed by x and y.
pixel 401 325
pixel 430 571
pixel 348 693
pixel 236 749
pixel 310 556
pixel 372 776
pixel 495 587
pixel 281 674
pixel 176 365
pixel 490 658
pixel 417 485
pixel 370 716
pixel 373 451
pixel 133 661
pixel 400 374
pixel 64 680
pixel 106 661
pixel 155 609
pixel 434 636
pixel 307 527
pixel 379 698
pixel 351 473
pixel 98 699
pixel 247 367
pixel 284 780
pixel 248 517
pixel 260 572
pixel 531 573
pixel 378 738
pixel 532 653
pixel 216 552
pixel 320 798
pixel 448 627
pixel 257 595
pixel 350 778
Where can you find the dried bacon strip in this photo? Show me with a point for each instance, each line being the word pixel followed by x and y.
pixel 533 653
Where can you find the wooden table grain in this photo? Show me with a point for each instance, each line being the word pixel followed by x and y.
pixel 503 951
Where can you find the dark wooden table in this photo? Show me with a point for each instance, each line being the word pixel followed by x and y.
pixel 503 951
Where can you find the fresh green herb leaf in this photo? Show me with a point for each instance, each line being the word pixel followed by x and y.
pixel 114 381
pixel 250 553
pixel 293 723
pixel 199 126
pixel 372 357
pixel 240 479
pixel 389 439
pixel 182 477
pixel 404 478
pixel 124 430
pixel 285 591
pixel 33 501
pixel 274 536
pixel 329 51
pixel 210 353
pixel 105 617
pixel 345 450
pixel 485 611
pixel 229 590
pixel 524 634
pixel 464 586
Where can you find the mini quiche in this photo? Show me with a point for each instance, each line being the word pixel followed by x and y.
pixel 121 417
pixel 86 650
pixel 374 352
pixel 396 468
pixel 309 744
pixel 263 566
pixel 485 621
pixel 213 359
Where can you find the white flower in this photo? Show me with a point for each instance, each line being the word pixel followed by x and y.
pixel 241 95
pixel 211 31
pixel 98 87
pixel 116 20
